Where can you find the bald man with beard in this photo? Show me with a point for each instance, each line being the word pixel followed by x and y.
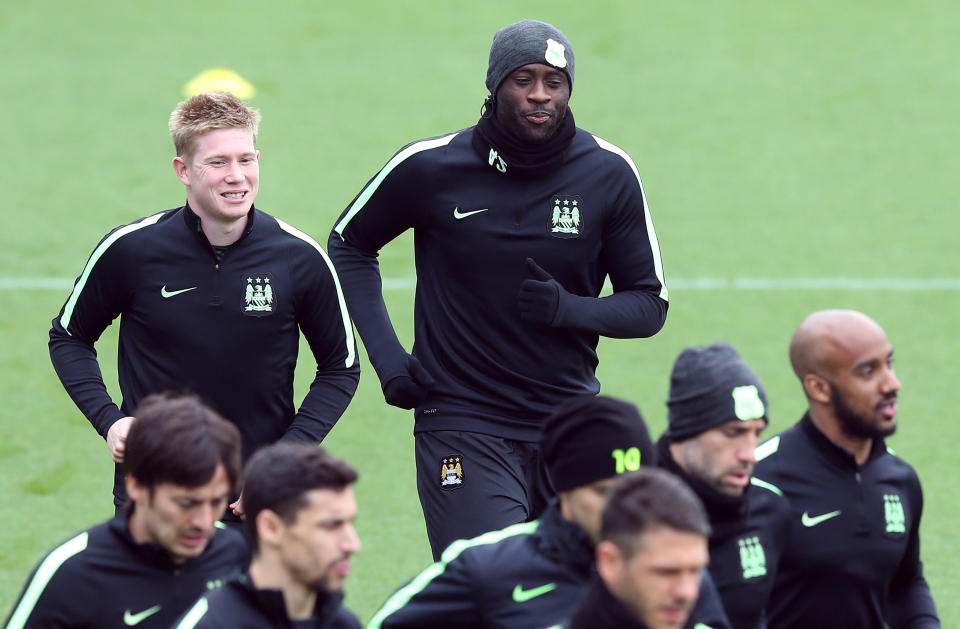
pixel 853 557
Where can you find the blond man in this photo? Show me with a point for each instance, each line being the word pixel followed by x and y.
pixel 212 297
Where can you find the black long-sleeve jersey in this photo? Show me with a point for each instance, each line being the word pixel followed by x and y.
pixel 528 575
pixel 103 579
pixel 474 227
pixel 227 330
pixel 240 605
pixel 599 609
pixel 853 557
pixel 748 534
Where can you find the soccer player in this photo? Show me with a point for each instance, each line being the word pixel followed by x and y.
pixel 531 574
pixel 517 222
pixel 717 410
pixel 212 297
pixel 853 560
pixel 150 562
pixel 300 513
pixel 651 555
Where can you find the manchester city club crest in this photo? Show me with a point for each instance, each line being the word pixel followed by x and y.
pixel 451 472
pixel 753 561
pixel 894 515
pixel 566 216
pixel 259 294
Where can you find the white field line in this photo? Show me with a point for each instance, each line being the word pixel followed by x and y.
pixel 762 284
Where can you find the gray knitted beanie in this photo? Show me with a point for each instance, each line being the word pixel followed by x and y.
pixel 528 41
pixel 711 385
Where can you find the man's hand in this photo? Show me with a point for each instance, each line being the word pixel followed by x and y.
pixel 539 298
pixel 409 388
pixel 237 507
pixel 117 438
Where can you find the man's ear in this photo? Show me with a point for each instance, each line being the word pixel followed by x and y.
pixel 609 561
pixel 180 167
pixel 270 527
pixel 136 491
pixel 817 388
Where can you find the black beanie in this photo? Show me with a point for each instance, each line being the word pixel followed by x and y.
pixel 711 385
pixel 591 438
pixel 528 41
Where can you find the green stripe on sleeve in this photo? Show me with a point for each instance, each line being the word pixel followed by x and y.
pixel 192 617
pixel 42 577
pixel 767 448
pixel 97 254
pixel 413 149
pixel 344 314
pixel 422 580
pixel 651 233
pixel 760 483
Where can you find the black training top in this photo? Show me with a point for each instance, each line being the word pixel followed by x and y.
pixel 853 557
pixel 474 227
pixel 102 578
pixel 228 331
pixel 599 609
pixel 240 605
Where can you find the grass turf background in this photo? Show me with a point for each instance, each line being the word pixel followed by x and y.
pixel 815 140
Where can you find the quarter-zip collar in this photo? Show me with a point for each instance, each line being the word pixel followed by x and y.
pixel 600 609
pixel 834 453
pixel 272 605
pixel 194 224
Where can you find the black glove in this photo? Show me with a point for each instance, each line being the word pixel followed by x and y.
pixel 539 299
pixel 410 387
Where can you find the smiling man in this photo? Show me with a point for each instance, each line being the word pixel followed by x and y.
pixel 300 524
pixel 212 297
pixel 517 223
pixel 147 565
pixel 853 560
pixel 717 410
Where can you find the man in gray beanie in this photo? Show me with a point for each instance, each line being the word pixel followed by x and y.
pixel 518 222
pixel 717 410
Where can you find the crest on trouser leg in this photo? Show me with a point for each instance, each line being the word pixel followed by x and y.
pixel 451 472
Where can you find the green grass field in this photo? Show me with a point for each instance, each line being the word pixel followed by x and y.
pixel 776 141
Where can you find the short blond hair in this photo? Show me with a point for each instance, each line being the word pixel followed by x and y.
pixel 206 112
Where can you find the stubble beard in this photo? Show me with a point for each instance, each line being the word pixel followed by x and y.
pixel 525 132
pixel 851 423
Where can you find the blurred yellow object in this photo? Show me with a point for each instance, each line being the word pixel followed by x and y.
pixel 221 80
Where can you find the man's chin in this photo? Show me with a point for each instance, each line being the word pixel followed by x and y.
pixel 328 586
pixel 887 428
pixel 530 133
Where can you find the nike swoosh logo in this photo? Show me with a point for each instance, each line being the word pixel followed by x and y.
pixel 808 521
pixel 457 214
pixel 135 619
pixel 521 595
pixel 167 294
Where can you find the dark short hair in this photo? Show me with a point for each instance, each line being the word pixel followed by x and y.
pixel 177 439
pixel 279 477
pixel 648 499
